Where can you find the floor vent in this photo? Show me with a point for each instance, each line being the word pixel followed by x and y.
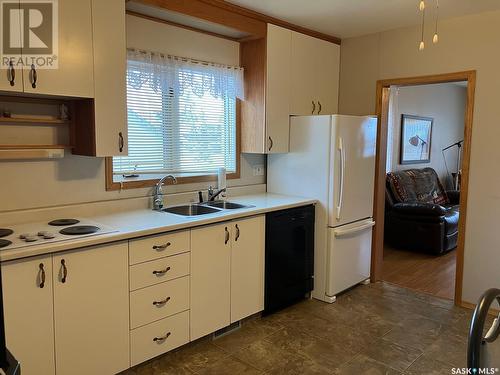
pixel 227 330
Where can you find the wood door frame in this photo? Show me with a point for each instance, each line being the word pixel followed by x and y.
pixel 382 107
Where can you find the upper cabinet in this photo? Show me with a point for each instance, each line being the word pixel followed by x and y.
pixel 315 66
pixel 91 66
pixel 266 108
pixel 278 86
pixel 287 73
pixel 110 69
pixel 74 73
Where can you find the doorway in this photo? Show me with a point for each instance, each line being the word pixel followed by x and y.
pixel 411 261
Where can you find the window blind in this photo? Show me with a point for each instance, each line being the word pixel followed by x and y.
pixel 180 132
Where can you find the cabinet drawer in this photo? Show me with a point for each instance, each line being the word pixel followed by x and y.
pixel 154 247
pixel 158 301
pixel 158 271
pixel 170 333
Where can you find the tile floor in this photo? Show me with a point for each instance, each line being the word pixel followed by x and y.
pixel 372 329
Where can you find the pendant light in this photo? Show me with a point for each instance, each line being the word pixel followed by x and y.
pixel 421 46
pixel 435 38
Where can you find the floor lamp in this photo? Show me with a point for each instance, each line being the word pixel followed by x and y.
pixel 456 180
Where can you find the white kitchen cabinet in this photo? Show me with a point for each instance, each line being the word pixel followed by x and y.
pixel 278 89
pixel 91 310
pixel 287 73
pixel 210 279
pixel 11 77
pixel 266 108
pixel 303 77
pixel 28 311
pixel 110 68
pixel 247 267
pixel 74 75
pixel 315 65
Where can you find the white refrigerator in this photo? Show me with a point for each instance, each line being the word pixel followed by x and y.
pixel 332 159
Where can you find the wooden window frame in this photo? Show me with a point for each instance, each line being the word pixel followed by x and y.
pixel 139 184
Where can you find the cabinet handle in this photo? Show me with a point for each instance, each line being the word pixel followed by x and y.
pixel 33 76
pixel 161 247
pixel 11 74
pixel 314 107
pixel 64 271
pixel 162 272
pixel 162 338
pixel 271 143
pixel 227 236
pixel 121 142
pixel 162 302
pixel 237 232
pixel 42 275
pixel 319 109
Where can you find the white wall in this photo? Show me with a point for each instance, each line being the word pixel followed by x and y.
pixel 445 103
pixel 77 179
pixel 465 43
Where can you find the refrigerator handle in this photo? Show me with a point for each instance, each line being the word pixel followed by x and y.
pixel 344 232
pixel 341 182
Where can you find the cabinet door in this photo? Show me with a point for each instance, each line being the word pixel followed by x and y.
pixel 74 74
pixel 278 89
pixel 210 279
pixel 28 310
pixel 247 267
pixel 327 76
pixel 11 76
pixel 303 78
pixel 91 310
pixel 110 64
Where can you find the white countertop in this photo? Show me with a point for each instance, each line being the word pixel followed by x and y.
pixel 144 222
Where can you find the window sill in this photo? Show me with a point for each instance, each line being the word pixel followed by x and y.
pixel 114 182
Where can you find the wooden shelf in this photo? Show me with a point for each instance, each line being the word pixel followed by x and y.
pixel 24 152
pixel 34 147
pixel 9 120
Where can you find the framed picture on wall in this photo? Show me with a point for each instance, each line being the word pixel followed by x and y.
pixel 416 137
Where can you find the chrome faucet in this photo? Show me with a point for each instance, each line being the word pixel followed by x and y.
pixel 158 192
pixel 214 194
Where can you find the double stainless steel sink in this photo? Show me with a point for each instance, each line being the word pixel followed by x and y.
pixel 203 208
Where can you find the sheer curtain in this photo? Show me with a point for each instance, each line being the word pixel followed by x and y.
pixel 181 116
pixel 393 129
pixel 166 72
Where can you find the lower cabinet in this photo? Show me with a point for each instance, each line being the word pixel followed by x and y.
pixel 227 274
pixel 91 311
pixel 210 279
pixel 159 337
pixel 100 310
pixel 28 313
pixel 247 267
pixel 68 313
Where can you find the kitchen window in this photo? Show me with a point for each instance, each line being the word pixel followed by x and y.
pixel 182 119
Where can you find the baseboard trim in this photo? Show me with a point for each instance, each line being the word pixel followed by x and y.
pixel 472 306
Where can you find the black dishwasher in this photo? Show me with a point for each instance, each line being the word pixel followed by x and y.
pixel 289 257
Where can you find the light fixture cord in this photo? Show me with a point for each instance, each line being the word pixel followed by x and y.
pixel 423 24
pixel 437 15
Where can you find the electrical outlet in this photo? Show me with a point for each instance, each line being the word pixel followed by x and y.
pixel 258 170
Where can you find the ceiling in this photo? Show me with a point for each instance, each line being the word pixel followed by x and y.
pixel 348 18
pixel 183 19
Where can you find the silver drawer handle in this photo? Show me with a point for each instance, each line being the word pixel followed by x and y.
pixel 162 338
pixel 162 302
pixel 161 247
pixel 162 272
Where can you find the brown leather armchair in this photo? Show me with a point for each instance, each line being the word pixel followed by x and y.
pixel 420 215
